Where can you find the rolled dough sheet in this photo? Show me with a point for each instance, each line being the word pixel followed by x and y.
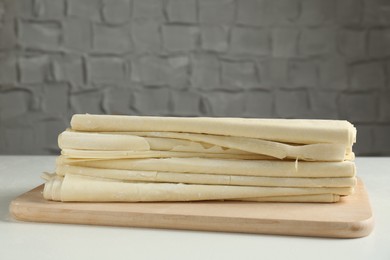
pixel 96 141
pixel 183 145
pixel 309 152
pixel 80 154
pixel 197 178
pixel 283 130
pixel 269 168
pixel 170 141
pixel 90 189
pixel 152 143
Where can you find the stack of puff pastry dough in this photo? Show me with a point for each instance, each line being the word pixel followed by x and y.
pixel 107 158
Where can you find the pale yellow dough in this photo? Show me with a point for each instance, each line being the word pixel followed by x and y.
pixel 80 154
pixel 89 189
pixel 183 145
pixel 202 178
pixel 204 143
pixel 283 130
pixel 269 168
pixel 308 152
pixel 55 194
pixel 109 158
pixel 96 141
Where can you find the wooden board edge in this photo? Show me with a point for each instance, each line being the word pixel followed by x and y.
pixel 216 224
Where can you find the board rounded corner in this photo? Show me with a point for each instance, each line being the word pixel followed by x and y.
pixel 362 228
pixel 13 209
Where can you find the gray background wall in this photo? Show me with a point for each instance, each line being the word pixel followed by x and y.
pixel 252 58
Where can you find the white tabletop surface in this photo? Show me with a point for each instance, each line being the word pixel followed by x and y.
pixel 25 240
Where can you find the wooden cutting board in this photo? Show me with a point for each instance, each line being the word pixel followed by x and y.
pixel 349 218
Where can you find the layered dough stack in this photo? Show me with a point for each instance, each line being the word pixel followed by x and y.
pixel 139 159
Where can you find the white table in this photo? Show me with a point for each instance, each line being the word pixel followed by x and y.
pixel 25 240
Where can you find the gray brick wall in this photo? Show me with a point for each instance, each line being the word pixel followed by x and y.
pixel 254 58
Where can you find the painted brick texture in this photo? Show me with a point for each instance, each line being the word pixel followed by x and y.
pixel 244 58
